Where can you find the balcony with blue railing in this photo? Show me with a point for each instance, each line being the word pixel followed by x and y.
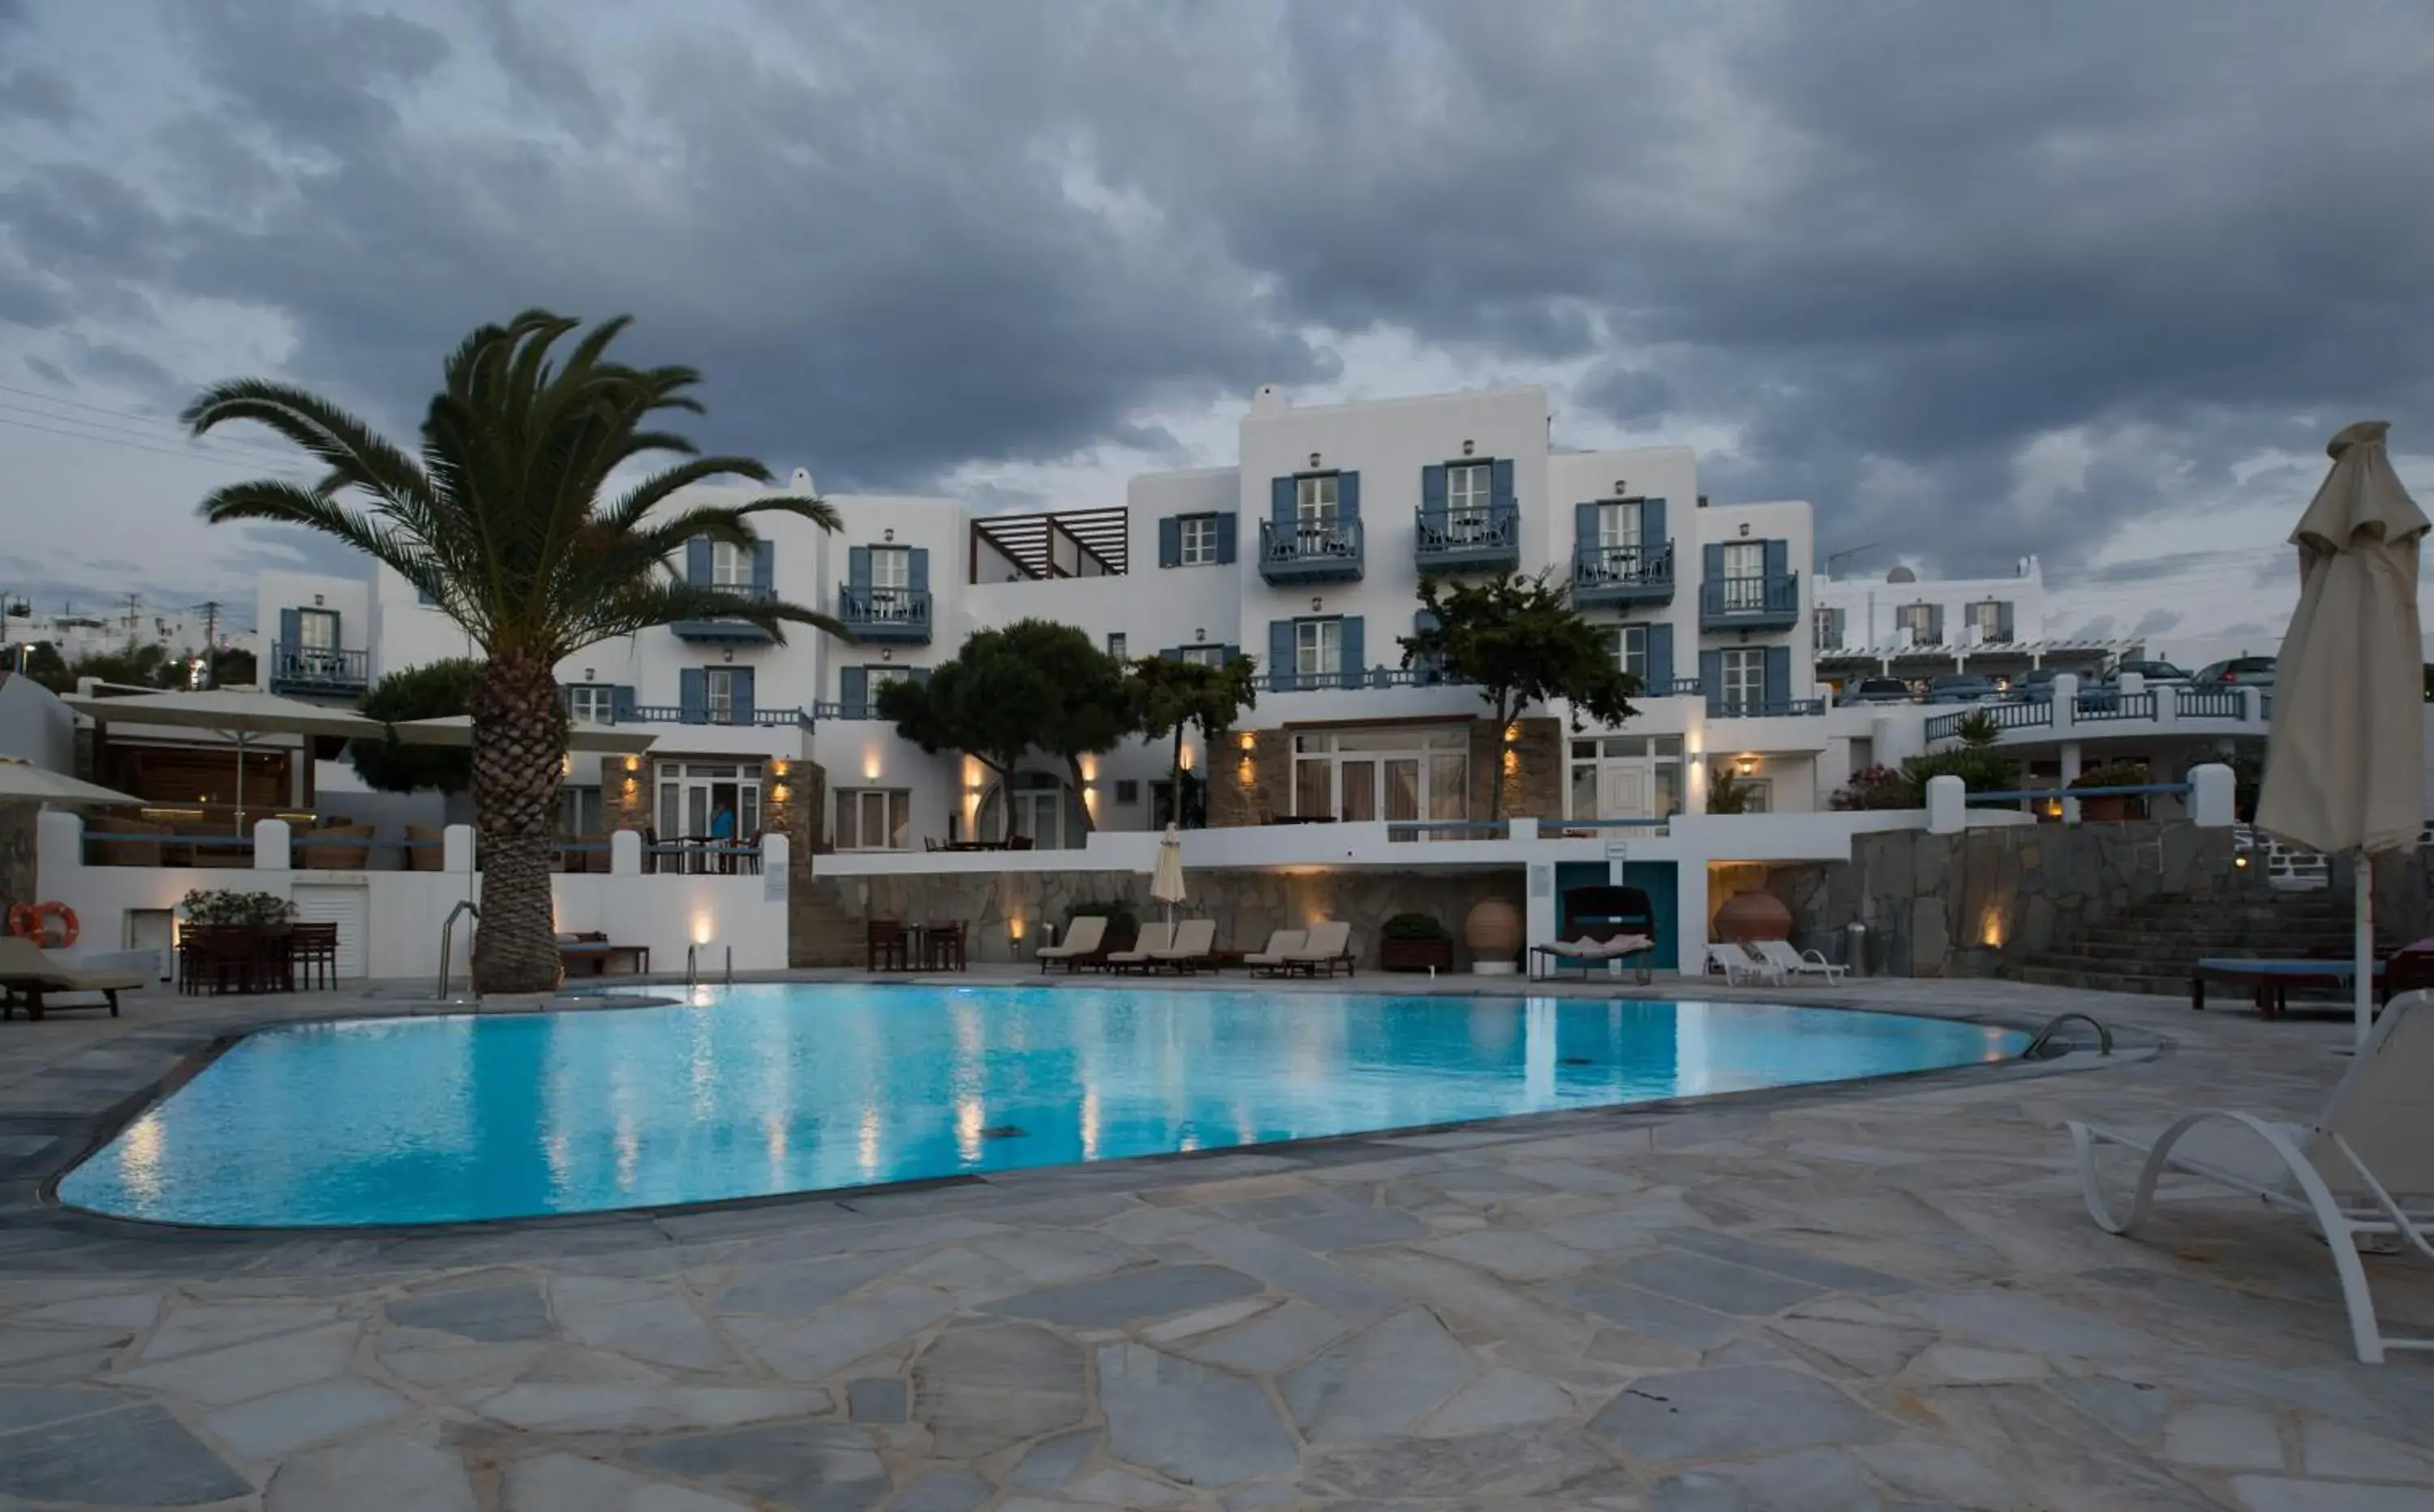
pixel 1766 708
pixel 1469 539
pixel 1605 577
pixel 1751 602
pixel 886 616
pixel 767 718
pixel 318 671
pixel 1310 551
pixel 1357 677
pixel 740 631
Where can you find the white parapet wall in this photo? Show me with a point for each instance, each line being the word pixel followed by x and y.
pixel 395 917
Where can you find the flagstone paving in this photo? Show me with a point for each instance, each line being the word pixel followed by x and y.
pixel 1877 1299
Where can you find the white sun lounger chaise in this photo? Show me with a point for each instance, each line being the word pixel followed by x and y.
pixel 1793 964
pixel 1738 965
pixel 1195 940
pixel 1281 944
pixel 1155 936
pixel 2365 1165
pixel 1082 940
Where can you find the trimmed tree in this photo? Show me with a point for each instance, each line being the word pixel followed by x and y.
pixel 1520 642
pixel 1033 684
pixel 1177 695
pixel 435 691
pixel 502 519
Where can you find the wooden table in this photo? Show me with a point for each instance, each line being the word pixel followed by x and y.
pixel 600 952
pixel 2270 980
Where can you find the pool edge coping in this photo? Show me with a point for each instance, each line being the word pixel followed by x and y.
pixel 2134 1047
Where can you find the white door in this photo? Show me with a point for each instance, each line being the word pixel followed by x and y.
pixel 1624 790
pixel 1040 814
pixel 350 908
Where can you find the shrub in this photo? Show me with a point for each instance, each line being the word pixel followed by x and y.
pixel 1981 769
pixel 1413 926
pixel 1872 787
pixel 1118 914
pixel 228 905
pixel 2112 775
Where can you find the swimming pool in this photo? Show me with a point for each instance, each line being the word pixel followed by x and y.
pixel 752 1090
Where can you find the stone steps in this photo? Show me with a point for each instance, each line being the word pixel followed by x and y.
pixel 820 932
pixel 2150 947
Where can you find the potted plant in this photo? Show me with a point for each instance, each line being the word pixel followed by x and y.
pixel 1415 942
pixel 2111 808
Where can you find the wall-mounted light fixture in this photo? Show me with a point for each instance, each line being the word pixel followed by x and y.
pixel 1316 603
pixel 728 656
pixel 1313 459
pixel 633 763
pixel 1468 446
pixel 1621 487
pixel 1744 528
pixel 1512 732
pixel 888 534
pixel 1249 742
pixel 887 653
pixel 1746 765
pixel 1200 633
pixel 587 674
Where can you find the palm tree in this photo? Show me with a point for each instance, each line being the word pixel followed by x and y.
pixel 501 521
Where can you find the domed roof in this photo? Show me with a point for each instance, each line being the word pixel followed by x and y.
pixel 1901 574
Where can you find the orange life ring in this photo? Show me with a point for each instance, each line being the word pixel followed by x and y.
pixel 26 922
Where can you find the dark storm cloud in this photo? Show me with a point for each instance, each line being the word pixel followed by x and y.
pixel 2155 623
pixel 1887 244
pixel 37 93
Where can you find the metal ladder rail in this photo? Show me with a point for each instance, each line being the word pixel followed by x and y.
pixel 2044 1048
pixel 447 941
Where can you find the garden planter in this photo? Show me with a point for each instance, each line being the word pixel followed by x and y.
pixel 1757 915
pixel 2112 808
pixel 1493 931
pixel 1416 955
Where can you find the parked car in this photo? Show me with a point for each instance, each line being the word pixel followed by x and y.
pixel 2037 687
pixel 1879 690
pixel 2238 672
pixel 1963 687
pixel 2154 671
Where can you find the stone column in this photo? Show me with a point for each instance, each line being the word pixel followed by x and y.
pixel 1245 787
pixel 2070 769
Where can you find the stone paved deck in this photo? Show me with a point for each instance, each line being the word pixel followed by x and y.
pixel 1883 1297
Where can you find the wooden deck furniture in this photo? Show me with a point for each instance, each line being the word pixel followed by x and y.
pixel 2270 981
pixel 590 947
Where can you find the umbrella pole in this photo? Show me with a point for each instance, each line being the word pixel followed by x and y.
pixel 2362 948
pixel 240 782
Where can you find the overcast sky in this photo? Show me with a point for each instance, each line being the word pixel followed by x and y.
pixel 2089 279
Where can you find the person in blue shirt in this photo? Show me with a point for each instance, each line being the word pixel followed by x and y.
pixel 722 834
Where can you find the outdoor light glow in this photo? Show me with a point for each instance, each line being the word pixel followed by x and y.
pixel 1187 759
pixel 1512 732
pixel 703 932
pixel 1248 742
pixel 778 768
pixel 1013 928
pixel 870 768
pixel 1744 764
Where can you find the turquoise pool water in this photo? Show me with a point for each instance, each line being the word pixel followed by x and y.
pixel 753 1090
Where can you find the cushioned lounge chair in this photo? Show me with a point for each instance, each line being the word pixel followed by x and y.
pixel 1153 937
pixel 1196 941
pixel 1081 945
pixel 1281 944
pixel 1329 945
pixel 1733 959
pixel 28 976
pixel 1793 964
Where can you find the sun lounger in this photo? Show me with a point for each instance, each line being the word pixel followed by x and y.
pixel 1196 941
pixel 1586 954
pixel 1081 945
pixel 1733 959
pixel 1329 945
pixel 29 977
pixel 1790 965
pixel 1153 937
pixel 1282 943
pixel 2364 1165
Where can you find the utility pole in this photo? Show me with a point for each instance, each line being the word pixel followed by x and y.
pixel 134 603
pixel 211 637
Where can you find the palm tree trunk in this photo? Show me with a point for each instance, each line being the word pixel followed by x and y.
pixel 519 732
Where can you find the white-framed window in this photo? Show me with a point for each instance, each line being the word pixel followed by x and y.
pixel 873 819
pixel 730 566
pixel 1468 486
pixel 1745 575
pixel 1628 645
pixel 1993 618
pixel 1920 621
pixel 1619 523
pixel 1199 542
pixel 592 702
pixel 1314 498
pixel 1202 655
pixel 875 678
pixel 1744 672
pixel 891 569
pixel 579 811
pixel 718 693
pixel 1758 795
pixel 1117 645
pixel 317 630
pixel 1828 630
pixel 1318 647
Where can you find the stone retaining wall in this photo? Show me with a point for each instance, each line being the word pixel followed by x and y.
pixel 1246 905
pixel 1963 905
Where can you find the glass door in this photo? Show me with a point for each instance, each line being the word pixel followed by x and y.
pixel 1359 778
pixel 1403 775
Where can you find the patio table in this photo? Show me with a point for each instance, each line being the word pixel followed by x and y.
pixel 2270 980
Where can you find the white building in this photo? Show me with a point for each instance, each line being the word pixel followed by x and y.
pixel 1901 625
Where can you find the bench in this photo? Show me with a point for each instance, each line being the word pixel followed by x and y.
pixel 591 947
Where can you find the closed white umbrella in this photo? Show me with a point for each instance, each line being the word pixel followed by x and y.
pixel 21 780
pixel 1166 883
pixel 2345 756
pixel 240 713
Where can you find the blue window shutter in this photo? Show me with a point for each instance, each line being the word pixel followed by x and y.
pixel 765 569
pixel 1778 560
pixel 1433 488
pixel 697 561
pixel 1499 482
pixel 1711 678
pixel 1280 501
pixel 1280 654
pixel 857 569
pixel 2003 621
pixel 621 700
pixel 1935 624
pixel 1711 563
pixel 693 695
pixel 1778 676
pixel 1169 541
pixel 1356 655
pixel 1661 659
pixel 854 690
pixel 916 569
pixel 291 630
pixel 1230 652
pixel 1652 522
pixel 1228 526
pixel 1585 522
pixel 1348 494
pixel 740 681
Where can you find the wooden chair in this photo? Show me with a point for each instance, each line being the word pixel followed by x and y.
pixel 942 947
pixel 313 949
pixel 889 945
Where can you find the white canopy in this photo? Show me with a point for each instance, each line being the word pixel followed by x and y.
pixel 458 729
pixel 239 711
pixel 2345 756
pixel 21 780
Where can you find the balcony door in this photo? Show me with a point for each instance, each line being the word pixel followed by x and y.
pixel 692 793
pixel 1395 775
pixel 1745 575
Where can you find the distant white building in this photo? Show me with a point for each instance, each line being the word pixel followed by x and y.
pixel 1901 625
pixel 76 635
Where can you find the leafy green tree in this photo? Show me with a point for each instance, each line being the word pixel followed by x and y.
pixel 1520 642
pixel 434 691
pixel 230 667
pixel 133 665
pixel 1177 695
pixel 1033 684
pixel 42 662
pixel 502 516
